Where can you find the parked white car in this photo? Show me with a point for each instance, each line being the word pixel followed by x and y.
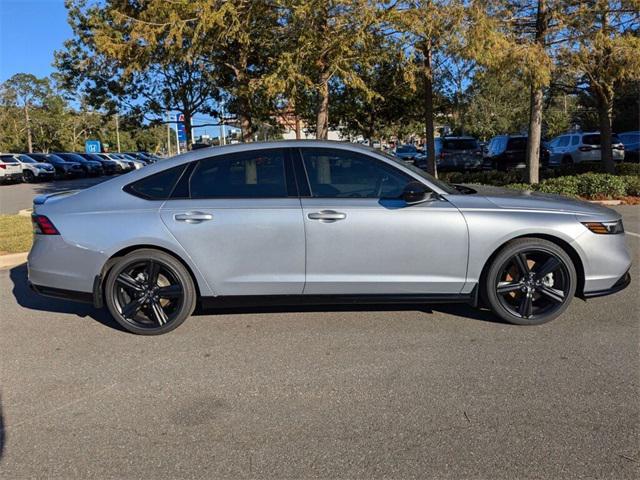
pixel 10 169
pixel 33 170
pixel 580 147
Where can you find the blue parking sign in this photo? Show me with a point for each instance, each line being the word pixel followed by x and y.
pixel 92 146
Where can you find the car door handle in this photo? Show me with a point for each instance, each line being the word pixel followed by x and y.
pixel 327 216
pixel 193 217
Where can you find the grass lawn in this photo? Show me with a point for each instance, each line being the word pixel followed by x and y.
pixel 16 234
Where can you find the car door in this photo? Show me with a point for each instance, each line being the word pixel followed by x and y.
pixel 363 239
pixel 239 218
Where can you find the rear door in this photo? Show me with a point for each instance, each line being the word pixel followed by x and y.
pixel 239 218
pixel 362 239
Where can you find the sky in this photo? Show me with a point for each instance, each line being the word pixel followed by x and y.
pixel 30 31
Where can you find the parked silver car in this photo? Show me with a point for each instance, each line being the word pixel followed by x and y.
pixel 316 222
pixel 581 147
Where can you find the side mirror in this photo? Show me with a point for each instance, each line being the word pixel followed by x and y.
pixel 415 192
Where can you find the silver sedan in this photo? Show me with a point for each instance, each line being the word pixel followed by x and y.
pixel 316 222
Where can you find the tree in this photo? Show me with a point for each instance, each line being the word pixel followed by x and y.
pixel 329 43
pixel 25 91
pixel 603 52
pixel 428 27
pixel 122 58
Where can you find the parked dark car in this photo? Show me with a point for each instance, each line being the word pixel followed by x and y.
pixel 508 152
pixel 108 166
pixel 92 168
pixel 631 141
pixel 408 153
pixel 459 153
pixel 144 157
pixel 64 169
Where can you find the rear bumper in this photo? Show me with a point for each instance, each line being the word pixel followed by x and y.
pixel 622 283
pixel 10 176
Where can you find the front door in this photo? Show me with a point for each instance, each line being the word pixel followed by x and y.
pixel 361 239
pixel 241 223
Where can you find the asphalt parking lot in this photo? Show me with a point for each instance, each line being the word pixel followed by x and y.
pixel 17 196
pixel 416 392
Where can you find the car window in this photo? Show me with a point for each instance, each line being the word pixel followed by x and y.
pixel 563 141
pixel 459 144
pixel 25 159
pixel 8 159
pixel 345 174
pixel 157 186
pixel 256 174
pixel 575 140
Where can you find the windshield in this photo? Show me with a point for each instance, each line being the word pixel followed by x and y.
pixel 444 186
pixel 25 159
pixel 459 144
pixel 630 137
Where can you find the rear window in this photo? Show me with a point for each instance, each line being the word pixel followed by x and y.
pixel 594 139
pixel 517 143
pixel 157 186
pixel 460 144
pixel 8 159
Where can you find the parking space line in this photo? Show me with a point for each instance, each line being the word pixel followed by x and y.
pixel 633 233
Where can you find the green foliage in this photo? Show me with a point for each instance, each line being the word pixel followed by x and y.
pixel 588 185
pixel 628 169
pixel 492 177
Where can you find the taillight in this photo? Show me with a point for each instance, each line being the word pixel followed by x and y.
pixel 43 226
pixel 3 166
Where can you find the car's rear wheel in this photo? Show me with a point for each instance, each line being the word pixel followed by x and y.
pixel 531 281
pixel 149 292
pixel 28 176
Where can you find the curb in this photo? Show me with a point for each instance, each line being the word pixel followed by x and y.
pixel 13 259
pixel 25 212
pixel 609 203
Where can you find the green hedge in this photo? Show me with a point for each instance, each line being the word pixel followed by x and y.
pixel 588 185
pixel 580 180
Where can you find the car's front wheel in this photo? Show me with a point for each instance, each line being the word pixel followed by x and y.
pixel 149 292
pixel 530 281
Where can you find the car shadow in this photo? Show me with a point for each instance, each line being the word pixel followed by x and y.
pixel 27 298
pixel 457 309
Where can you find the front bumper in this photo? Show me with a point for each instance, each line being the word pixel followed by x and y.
pixel 622 283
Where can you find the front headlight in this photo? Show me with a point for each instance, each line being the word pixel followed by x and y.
pixel 605 228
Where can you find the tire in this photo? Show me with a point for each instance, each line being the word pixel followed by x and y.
pixel 531 281
pixel 28 176
pixel 146 306
pixel 567 160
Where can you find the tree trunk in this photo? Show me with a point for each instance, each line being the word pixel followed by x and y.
pixel 27 121
pixel 322 118
pixel 428 110
pixel 535 134
pixel 535 111
pixel 187 127
pixel 297 127
pixel 605 107
pixel 245 127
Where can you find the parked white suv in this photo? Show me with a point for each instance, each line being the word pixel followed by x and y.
pixel 10 169
pixel 580 147
pixel 33 170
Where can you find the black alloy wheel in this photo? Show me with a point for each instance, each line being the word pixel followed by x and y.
pixel 149 292
pixel 531 281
